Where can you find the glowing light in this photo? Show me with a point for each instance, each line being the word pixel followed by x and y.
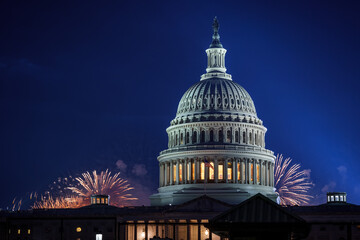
pixel 78 229
pixel 291 184
pixel 206 232
pixel 143 234
pixel 47 201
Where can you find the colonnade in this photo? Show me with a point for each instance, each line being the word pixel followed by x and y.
pixel 216 170
pixel 188 136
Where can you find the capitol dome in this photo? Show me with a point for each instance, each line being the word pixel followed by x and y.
pixel 216 141
pixel 216 96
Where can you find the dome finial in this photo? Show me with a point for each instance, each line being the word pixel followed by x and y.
pixel 216 37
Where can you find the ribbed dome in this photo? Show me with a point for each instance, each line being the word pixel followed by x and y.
pixel 216 96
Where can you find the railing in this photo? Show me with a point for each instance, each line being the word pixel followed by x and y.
pixel 217 147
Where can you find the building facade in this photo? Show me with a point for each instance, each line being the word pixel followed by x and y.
pixel 216 141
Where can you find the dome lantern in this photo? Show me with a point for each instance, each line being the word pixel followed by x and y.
pixel 216 57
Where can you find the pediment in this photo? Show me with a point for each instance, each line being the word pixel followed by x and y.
pixel 257 209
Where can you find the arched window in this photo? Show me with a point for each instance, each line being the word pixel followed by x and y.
pixel 176 140
pixel 228 136
pixel 181 139
pixel 244 137
pixel 256 141
pixel 250 139
pixel 194 138
pixel 237 136
pixel 211 135
pixel 202 136
pixel 221 136
pixel 187 140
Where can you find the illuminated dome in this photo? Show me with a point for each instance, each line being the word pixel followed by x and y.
pixel 216 141
pixel 216 96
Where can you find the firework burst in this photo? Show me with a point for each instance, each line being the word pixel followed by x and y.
pixel 104 183
pixel 47 201
pixel 291 184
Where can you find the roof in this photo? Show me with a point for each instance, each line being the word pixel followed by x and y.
pixel 257 209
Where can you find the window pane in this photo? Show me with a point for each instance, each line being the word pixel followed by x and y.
pixel 221 172
pixel 229 171
pixel 211 171
pixel 180 172
pixel 202 171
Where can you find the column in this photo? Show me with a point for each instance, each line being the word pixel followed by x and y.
pixel 196 169
pixel 272 174
pixel 255 171
pixel 171 173
pixel 232 135
pixel 242 172
pixel 161 175
pixel 249 170
pixel 177 171
pixel 206 173
pixel 216 169
pixel 261 172
pixel 185 171
pixel 234 170
pixel 237 169
pixel 241 135
pixel 226 170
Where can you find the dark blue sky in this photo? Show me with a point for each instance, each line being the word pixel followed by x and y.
pixel 84 84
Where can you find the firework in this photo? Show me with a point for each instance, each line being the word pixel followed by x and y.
pixel 291 184
pixel 47 201
pixel 104 183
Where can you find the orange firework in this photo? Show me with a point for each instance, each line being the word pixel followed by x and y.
pixel 291 184
pixel 48 202
pixel 104 183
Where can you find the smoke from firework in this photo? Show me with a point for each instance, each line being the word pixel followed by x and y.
pixel 291 184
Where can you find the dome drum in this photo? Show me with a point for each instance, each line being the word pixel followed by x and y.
pixel 216 133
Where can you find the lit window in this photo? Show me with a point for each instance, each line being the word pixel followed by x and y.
pixel 229 171
pixel 78 229
pixel 106 201
pixel 211 171
pixel 257 173
pixel 174 173
pixel 192 171
pixel 341 198
pixel 19 231
pixel 98 236
pixel 332 198
pixel 221 171
pixel 98 200
pixel 238 172
pixel 202 171
pixel 29 231
pixel 180 172
pixel 102 200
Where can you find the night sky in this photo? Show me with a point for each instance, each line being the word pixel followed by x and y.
pixel 85 84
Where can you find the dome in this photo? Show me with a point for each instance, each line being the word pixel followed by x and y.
pixel 216 96
pixel 215 139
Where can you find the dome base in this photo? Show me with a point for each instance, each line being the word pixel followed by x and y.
pixel 228 195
